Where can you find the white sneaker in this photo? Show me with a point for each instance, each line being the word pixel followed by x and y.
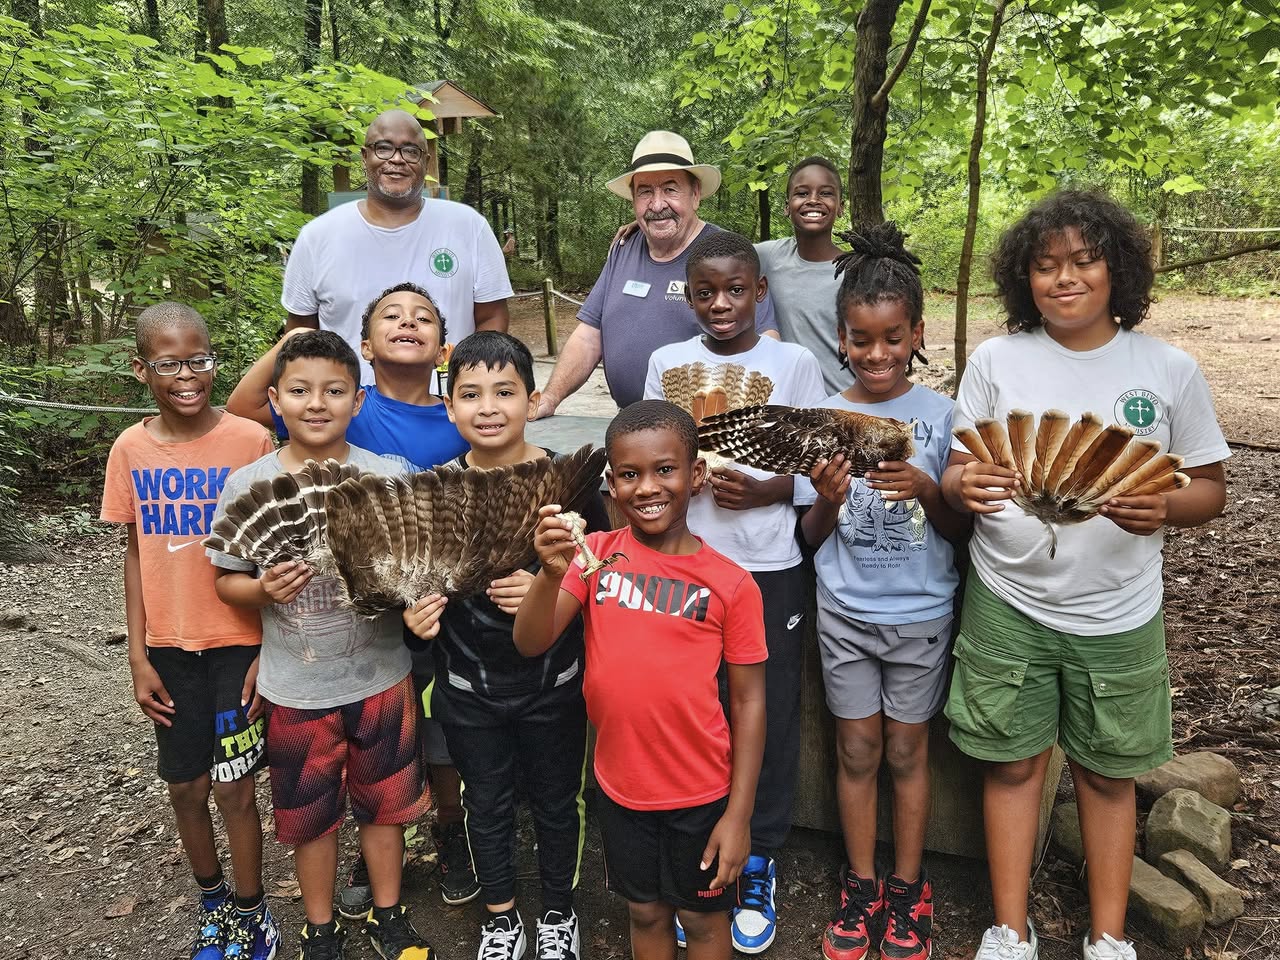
pixel 501 940
pixel 1109 948
pixel 1001 943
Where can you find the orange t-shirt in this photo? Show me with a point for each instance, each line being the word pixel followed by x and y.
pixel 169 491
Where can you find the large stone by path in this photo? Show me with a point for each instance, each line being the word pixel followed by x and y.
pixel 1184 820
pixel 1221 901
pixel 1165 907
pixel 1212 776
pixel 1065 830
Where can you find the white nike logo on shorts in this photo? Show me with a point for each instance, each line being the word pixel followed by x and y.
pixel 173 549
pixel 791 624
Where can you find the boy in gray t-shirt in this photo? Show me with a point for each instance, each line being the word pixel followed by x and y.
pixel 342 715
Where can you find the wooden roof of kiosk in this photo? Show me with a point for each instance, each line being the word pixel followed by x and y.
pixel 451 105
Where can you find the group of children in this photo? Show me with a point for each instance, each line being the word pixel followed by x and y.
pixel 684 654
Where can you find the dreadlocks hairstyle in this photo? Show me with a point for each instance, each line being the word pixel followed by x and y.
pixel 722 243
pixel 1109 231
pixel 400 288
pixel 816 161
pixel 878 267
pixel 653 415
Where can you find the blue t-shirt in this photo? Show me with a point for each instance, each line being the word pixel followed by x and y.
pixel 638 305
pixel 884 562
pixel 418 437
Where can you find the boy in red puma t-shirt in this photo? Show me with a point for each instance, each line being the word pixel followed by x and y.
pixel 678 783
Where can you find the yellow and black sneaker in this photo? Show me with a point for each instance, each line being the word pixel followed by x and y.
pixel 393 936
pixel 321 941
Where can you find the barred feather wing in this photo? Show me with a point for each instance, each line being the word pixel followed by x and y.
pixel 687 385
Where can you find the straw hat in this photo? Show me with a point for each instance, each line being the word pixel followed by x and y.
pixel 664 150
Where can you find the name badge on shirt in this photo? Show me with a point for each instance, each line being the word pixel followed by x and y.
pixel 635 288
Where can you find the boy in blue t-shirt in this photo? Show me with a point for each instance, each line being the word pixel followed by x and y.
pixel 403 336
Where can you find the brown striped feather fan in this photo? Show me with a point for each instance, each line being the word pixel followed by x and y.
pixel 792 439
pixel 1070 470
pixel 394 540
pixel 705 389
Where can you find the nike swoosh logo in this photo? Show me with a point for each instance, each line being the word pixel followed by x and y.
pixel 791 624
pixel 181 546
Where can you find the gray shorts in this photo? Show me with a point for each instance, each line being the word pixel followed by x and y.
pixel 869 668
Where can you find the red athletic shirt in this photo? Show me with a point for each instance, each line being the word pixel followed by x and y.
pixel 657 627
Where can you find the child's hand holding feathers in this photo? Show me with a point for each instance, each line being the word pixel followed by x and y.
pixel 830 478
pixel 898 480
pixel 507 592
pixel 283 582
pixel 423 617
pixel 553 541
pixel 1142 515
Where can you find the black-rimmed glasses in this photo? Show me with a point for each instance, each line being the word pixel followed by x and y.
pixel 385 150
pixel 170 368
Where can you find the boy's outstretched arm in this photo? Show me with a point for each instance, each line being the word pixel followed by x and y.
pixel 731 838
pixel 546 610
pixel 249 398
pixel 148 688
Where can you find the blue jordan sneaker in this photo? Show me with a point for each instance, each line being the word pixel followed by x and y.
pixel 254 937
pixel 681 941
pixel 755 919
pixel 217 920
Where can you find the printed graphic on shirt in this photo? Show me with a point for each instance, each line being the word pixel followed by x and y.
pixel 883 533
pixel 1139 409
pixel 444 262
pixel 639 591
pixel 178 504
pixel 316 627
pixel 241 743
pixel 675 290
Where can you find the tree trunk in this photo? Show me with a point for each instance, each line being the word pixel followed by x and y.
pixel 28 11
pixel 473 191
pixel 335 47
pixel 311 39
pixel 216 24
pixel 874 32
pixel 153 19
pixel 975 192
pixel 553 232
pixel 763 199
pixel 442 158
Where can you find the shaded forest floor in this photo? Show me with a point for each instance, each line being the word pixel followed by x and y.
pixel 89 860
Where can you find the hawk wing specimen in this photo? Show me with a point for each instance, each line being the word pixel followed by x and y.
pixel 793 439
pixel 1070 470
pixel 393 540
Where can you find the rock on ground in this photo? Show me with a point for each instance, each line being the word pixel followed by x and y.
pixel 1165 907
pixel 1212 776
pixel 1184 820
pixel 1064 827
pixel 1221 901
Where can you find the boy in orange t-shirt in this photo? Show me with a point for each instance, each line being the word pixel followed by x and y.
pixel 194 660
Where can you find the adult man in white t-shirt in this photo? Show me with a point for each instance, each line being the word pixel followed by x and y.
pixel 346 257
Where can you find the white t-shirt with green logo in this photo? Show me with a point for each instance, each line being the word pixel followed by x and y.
pixel 341 261
pixel 1102 579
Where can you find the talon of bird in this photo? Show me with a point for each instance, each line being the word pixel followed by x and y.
pixel 590 562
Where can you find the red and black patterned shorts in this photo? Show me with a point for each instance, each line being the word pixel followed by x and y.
pixel 368 749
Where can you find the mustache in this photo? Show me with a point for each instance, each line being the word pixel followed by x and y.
pixel 664 215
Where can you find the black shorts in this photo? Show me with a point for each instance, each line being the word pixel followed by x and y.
pixel 210 733
pixel 431 742
pixel 653 856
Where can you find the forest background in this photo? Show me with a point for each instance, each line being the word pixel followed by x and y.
pixel 153 149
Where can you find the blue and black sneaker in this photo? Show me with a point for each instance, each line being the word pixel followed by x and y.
pixel 681 940
pixel 215 926
pixel 755 918
pixel 254 937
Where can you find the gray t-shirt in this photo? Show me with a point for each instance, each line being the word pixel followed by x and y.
pixel 316 653
pixel 804 298
pixel 638 305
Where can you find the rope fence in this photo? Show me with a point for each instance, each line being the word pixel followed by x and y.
pixel 549 295
pixel 77 407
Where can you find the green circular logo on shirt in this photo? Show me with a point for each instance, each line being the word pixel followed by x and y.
pixel 1139 409
pixel 444 262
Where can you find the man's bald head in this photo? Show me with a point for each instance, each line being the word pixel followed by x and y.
pixel 395 180
pixel 395 126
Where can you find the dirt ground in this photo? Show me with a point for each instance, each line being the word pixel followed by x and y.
pixel 89 860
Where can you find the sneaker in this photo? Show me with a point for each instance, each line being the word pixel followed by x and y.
pixel 254 937
pixel 908 933
pixel 500 939
pixel 394 938
pixel 1109 948
pixel 755 919
pixel 681 940
pixel 321 943
pixel 211 935
pixel 458 882
pixel 557 936
pixel 355 900
pixel 1001 943
pixel 859 921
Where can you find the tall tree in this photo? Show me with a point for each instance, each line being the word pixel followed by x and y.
pixel 313 13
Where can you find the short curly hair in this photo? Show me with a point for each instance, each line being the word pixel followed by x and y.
pixel 653 415
pixel 1107 227
pixel 405 287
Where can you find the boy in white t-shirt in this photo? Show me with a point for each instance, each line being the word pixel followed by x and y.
pixel 748 515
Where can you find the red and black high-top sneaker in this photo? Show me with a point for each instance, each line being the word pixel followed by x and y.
pixel 908 932
pixel 858 923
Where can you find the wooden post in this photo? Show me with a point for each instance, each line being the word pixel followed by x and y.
pixel 1157 246
pixel 549 317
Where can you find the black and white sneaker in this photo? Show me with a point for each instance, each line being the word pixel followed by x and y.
pixel 458 883
pixel 558 936
pixel 355 899
pixel 500 939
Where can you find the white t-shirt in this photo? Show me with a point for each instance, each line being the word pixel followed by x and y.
pixel 1102 580
pixel 763 538
pixel 341 261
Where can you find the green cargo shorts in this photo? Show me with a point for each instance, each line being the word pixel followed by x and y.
pixel 1019 686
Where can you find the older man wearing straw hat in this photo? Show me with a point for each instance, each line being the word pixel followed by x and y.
pixel 638 303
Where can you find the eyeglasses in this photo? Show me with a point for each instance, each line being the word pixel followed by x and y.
pixel 170 368
pixel 385 150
